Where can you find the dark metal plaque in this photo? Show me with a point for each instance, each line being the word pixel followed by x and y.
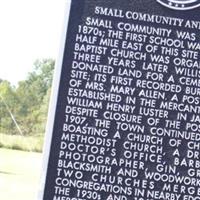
pixel 125 119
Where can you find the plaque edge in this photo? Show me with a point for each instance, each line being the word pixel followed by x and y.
pixel 53 102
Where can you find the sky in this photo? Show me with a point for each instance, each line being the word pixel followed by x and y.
pixel 29 30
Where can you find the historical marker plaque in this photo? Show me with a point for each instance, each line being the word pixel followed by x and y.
pixel 127 117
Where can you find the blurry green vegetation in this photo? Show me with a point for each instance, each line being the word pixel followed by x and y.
pixel 27 103
pixel 24 143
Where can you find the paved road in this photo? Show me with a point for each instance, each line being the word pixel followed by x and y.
pixel 19 175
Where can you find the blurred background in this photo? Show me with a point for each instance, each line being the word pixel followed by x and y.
pixel 30 34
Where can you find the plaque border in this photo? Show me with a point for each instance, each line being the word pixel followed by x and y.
pixel 53 101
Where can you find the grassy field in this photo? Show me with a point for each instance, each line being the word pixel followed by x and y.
pixel 24 143
pixel 19 174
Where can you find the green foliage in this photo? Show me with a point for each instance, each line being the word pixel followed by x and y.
pixel 28 102
pixel 23 143
pixel 8 102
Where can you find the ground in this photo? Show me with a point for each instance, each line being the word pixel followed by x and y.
pixel 19 174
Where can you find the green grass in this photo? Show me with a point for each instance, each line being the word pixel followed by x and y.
pixel 19 174
pixel 24 143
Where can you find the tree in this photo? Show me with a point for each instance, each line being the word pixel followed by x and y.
pixel 32 92
pixel 28 101
pixel 8 108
